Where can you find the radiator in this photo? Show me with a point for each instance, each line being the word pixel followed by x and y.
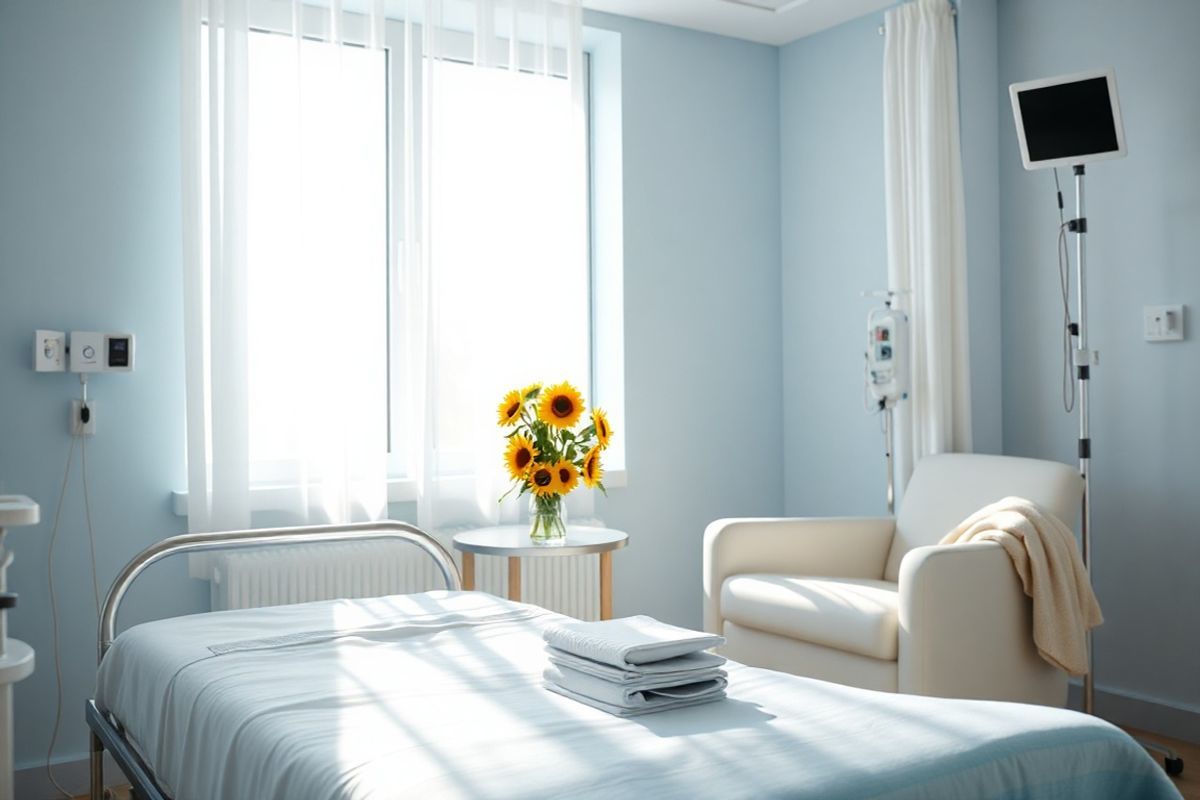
pixel 300 573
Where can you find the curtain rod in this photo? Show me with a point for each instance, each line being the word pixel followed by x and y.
pixel 953 13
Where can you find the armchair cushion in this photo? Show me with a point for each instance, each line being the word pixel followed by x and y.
pixel 844 547
pixel 854 615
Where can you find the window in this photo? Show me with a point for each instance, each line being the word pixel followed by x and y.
pixel 511 263
pixel 306 245
pixel 511 308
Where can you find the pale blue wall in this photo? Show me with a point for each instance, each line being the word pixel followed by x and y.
pixel 702 314
pixel 835 247
pixel 1144 237
pixel 977 70
pixel 89 239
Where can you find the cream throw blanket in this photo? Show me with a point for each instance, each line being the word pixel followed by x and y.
pixel 1044 554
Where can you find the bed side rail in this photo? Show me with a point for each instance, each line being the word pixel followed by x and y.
pixel 226 540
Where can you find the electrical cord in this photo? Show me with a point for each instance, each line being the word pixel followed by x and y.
pixel 87 512
pixel 58 686
pixel 1064 282
pixel 87 506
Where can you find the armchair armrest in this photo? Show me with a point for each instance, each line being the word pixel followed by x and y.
pixel 966 628
pixel 846 547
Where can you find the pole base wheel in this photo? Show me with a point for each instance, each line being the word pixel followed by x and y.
pixel 1174 766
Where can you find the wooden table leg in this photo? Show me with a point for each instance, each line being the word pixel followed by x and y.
pixel 514 578
pixel 606 585
pixel 468 571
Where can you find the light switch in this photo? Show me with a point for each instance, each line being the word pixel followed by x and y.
pixel 1162 323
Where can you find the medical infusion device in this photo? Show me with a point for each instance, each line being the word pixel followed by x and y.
pixel 886 372
pixel 887 351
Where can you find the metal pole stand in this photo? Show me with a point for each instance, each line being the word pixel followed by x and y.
pixel 1084 359
pixel 889 449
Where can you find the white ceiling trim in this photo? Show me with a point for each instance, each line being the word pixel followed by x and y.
pixel 776 22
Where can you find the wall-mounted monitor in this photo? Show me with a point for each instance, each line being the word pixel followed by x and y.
pixel 1068 120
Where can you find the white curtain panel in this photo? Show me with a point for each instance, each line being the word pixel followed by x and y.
pixel 291 318
pixel 926 228
pixel 495 84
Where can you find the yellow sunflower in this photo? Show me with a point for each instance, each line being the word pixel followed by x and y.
pixel 542 481
pixel 519 456
pixel 560 406
pixel 532 388
pixel 567 476
pixel 592 471
pixel 509 410
pixel 603 429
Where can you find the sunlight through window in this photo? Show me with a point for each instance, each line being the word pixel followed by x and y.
pixel 510 254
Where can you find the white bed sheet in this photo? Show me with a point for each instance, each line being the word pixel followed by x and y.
pixel 440 695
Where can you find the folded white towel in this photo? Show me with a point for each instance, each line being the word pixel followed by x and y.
pixel 678 669
pixel 649 693
pixel 658 703
pixel 628 641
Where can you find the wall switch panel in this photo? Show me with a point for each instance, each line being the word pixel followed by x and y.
pixel 93 351
pixel 1162 323
pixel 87 351
pixel 80 427
pixel 50 351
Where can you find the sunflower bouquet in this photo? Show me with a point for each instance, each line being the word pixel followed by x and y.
pixel 546 457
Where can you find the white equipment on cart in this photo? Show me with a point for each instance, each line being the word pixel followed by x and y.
pixel 16 657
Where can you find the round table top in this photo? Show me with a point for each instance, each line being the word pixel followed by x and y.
pixel 17 661
pixel 17 509
pixel 513 541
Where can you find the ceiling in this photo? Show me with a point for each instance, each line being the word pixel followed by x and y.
pixel 768 21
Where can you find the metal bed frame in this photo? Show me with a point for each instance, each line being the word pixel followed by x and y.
pixel 107 732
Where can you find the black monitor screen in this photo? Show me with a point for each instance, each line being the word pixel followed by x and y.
pixel 1068 120
pixel 118 352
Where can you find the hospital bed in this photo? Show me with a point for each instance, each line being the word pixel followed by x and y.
pixel 439 694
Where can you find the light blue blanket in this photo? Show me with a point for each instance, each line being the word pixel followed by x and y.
pixel 440 695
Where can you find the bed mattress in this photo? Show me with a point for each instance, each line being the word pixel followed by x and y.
pixel 440 695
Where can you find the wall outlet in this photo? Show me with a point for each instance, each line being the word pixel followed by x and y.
pixel 50 351
pixel 80 426
pixel 1162 323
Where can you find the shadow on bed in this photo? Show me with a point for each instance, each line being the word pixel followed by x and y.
pixel 722 715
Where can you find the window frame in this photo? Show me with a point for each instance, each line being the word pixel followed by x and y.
pixel 402 485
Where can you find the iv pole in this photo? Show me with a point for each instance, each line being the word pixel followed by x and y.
pixel 1083 360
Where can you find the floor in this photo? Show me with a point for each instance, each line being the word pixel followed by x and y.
pixel 1188 783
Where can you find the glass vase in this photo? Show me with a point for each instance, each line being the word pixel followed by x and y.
pixel 547 520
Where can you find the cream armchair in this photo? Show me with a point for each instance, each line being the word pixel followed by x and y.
pixel 877 603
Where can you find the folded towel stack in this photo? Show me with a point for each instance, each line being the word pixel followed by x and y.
pixel 634 665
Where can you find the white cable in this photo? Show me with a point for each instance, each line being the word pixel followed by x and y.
pixel 62 493
pixel 1064 279
pixel 87 511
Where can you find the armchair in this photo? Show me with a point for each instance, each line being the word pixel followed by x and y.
pixel 877 603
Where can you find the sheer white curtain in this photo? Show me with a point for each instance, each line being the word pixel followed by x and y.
pixel 326 165
pixel 926 228
pixel 501 84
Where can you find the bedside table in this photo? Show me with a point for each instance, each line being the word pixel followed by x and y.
pixel 513 542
